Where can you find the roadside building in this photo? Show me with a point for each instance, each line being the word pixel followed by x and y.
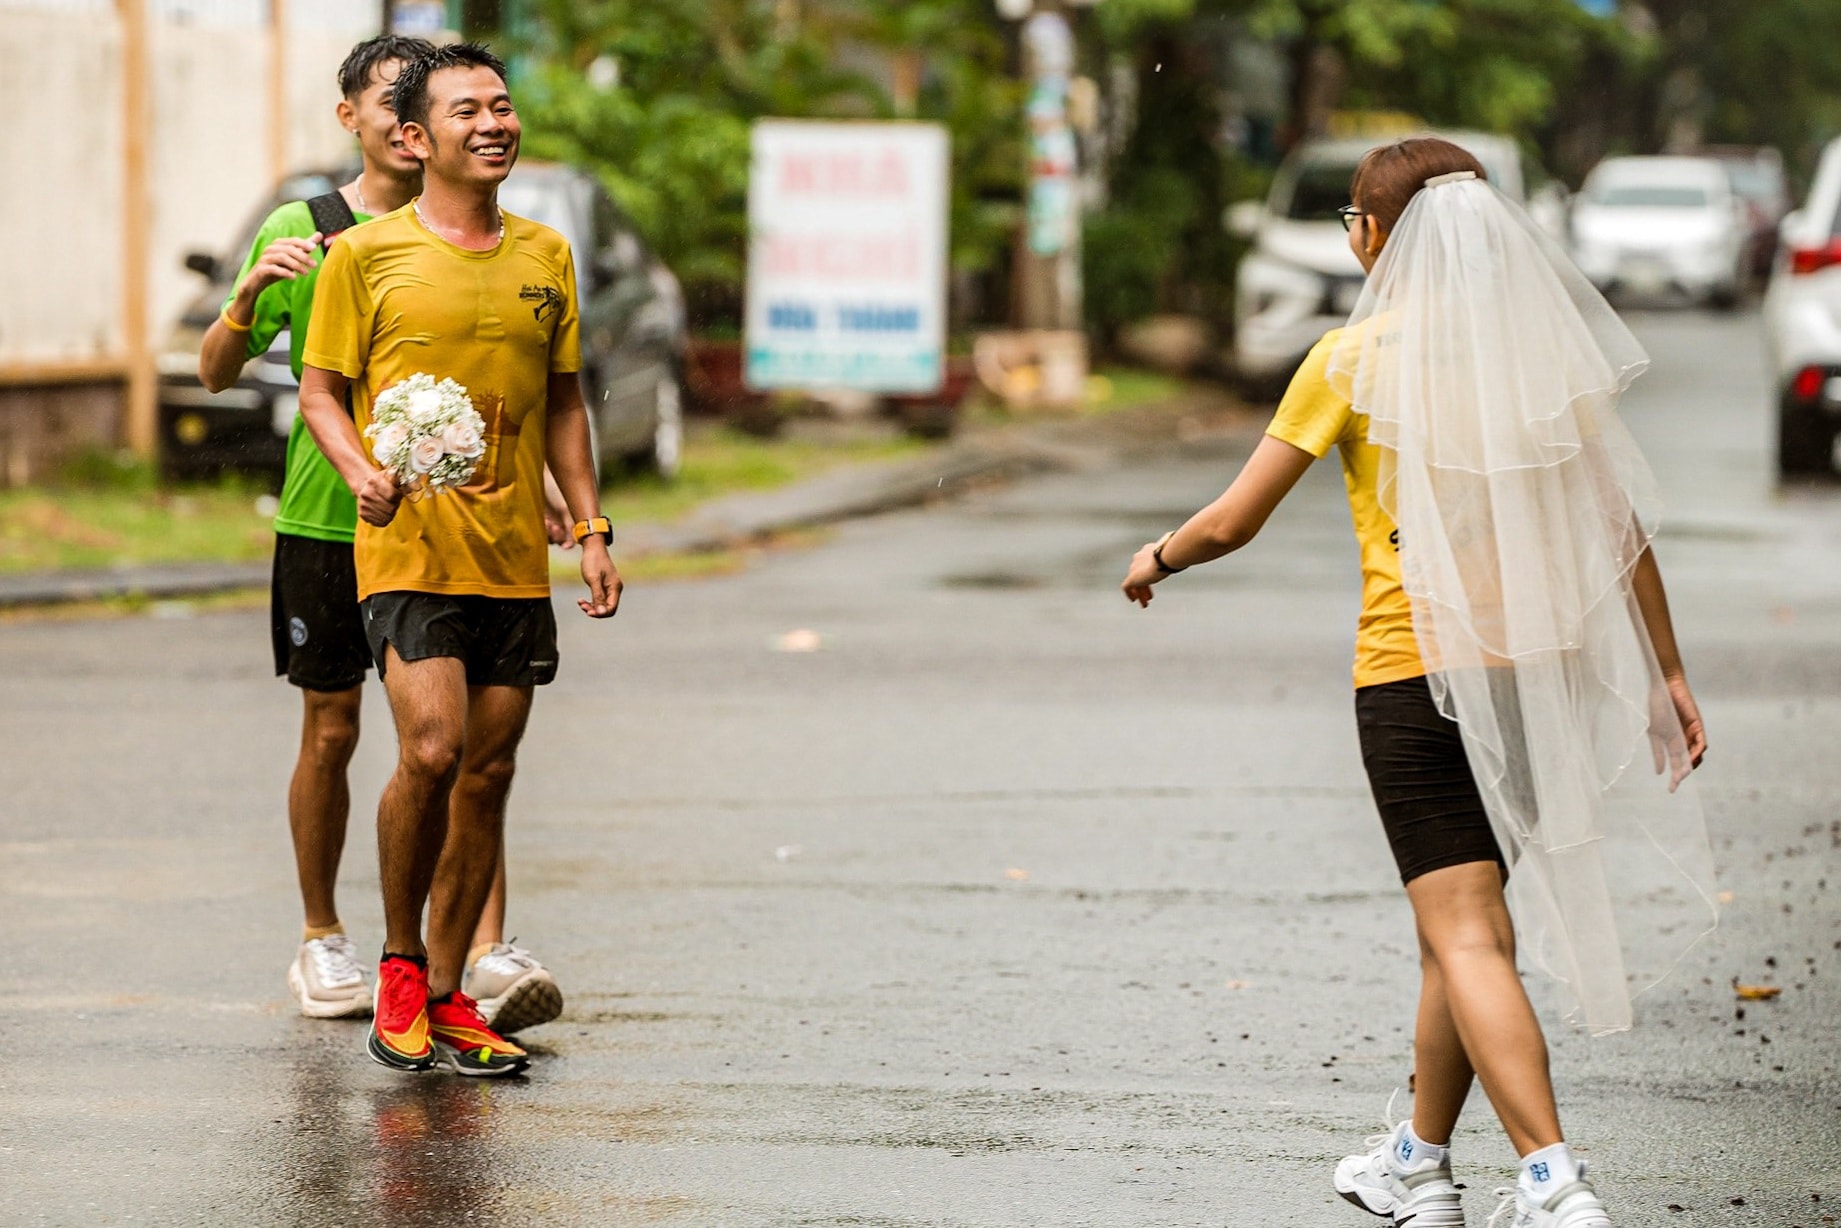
pixel 151 129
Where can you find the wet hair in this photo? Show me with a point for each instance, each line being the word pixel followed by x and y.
pixel 412 99
pixel 1387 178
pixel 361 66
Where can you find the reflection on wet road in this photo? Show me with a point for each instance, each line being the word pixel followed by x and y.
pixel 1009 905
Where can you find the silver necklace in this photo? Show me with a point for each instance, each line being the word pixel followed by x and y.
pixel 358 190
pixel 416 204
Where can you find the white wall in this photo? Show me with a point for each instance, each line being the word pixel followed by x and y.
pixel 210 160
pixel 60 268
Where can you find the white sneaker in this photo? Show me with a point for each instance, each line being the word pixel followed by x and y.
pixel 1573 1206
pixel 327 979
pixel 1421 1195
pixel 512 990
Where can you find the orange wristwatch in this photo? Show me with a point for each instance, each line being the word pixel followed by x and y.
pixel 599 524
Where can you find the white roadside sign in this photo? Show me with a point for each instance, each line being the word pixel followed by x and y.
pixel 847 256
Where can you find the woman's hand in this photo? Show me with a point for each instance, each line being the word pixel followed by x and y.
pixel 1143 573
pixel 1689 713
pixel 1677 754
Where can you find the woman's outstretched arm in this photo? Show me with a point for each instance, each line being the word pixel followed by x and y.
pixel 1228 523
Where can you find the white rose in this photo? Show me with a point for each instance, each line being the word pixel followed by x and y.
pixel 385 440
pixel 424 404
pixel 424 454
pixel 462 439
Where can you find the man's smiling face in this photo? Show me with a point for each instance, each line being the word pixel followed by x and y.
pixel 373 120
pixel 472 132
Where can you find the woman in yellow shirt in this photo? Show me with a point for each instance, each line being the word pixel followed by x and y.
pixel 1514 651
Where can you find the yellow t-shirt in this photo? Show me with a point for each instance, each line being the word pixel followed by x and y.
pixel 1315 418
pixel 395 299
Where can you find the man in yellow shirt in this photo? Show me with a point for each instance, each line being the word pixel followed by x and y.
pixel 454 586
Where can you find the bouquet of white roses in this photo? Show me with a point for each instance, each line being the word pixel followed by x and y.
pixel 426 433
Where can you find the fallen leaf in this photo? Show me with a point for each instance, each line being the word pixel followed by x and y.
pixel 1015 875
pixel 1238 984
pixel 1725 897
pixel 1756 993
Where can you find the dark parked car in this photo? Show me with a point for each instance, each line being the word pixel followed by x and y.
pixel 632 326
pixel 1758 179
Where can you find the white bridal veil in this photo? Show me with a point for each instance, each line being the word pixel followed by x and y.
pixel 1490 371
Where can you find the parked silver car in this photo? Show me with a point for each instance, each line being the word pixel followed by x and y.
pixel 1657 225
pixel 632 324
pixel 1301 280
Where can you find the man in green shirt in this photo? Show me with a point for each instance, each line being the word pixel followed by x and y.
pixel 319 638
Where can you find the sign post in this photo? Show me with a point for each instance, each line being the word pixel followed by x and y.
pixel 847 233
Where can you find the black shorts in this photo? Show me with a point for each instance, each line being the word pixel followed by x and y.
pixel 314 622
pixel 503 641
pixel 1421 778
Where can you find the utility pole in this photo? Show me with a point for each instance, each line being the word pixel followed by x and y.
pixel 1048 290
pixel 278 89
pixel 140 421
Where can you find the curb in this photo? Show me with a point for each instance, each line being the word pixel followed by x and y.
pixel 154 581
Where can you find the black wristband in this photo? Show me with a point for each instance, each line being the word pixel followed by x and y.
pixel 1157 555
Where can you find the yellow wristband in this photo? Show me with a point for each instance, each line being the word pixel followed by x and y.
pixel 232 325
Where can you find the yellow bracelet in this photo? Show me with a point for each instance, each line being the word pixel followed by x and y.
pixel 232 325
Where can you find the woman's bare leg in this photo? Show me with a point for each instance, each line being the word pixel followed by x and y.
pixel 1469 945
pixel 1442 1073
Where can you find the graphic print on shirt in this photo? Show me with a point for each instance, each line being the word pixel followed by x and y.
pixel 548 299
pixel 497 468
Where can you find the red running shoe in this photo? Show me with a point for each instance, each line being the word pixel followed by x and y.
pixel 399 1027
pixel 468 1042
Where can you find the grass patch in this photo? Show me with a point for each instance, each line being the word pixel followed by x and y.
pixel 721 461
pixel 1115 388
pixel 132 522
pixel 109 512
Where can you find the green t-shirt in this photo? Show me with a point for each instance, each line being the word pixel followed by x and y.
pixel 315 501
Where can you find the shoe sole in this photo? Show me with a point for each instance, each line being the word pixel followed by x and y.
pixel 1358 1194
pixel 1355 1197
pixel 529 1002
pixel 458 1062
pixel 384 1055
pixel 314 1008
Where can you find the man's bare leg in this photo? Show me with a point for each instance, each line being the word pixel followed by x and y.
pixel 471 857
pixel 320 799
pixel 491 928
pixel 428 700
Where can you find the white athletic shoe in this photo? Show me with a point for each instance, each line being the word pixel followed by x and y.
pixel 1574 1206
pixel 1421 1195
pixel 512 989
pixel 327 979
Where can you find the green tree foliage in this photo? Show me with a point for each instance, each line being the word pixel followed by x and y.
pixel 669 136
pixel 1760 72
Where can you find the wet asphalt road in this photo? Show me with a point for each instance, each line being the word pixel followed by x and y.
pixel 1010 905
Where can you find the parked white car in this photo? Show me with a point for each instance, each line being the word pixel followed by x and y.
pixel 1301 280
pixel 1654 226
pixel 1802 318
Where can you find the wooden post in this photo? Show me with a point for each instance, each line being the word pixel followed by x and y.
pixel 141 425
pixel 278 89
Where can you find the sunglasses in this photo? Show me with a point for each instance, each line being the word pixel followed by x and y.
pixel 1348 214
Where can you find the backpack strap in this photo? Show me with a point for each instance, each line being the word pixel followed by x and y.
pixel 331 216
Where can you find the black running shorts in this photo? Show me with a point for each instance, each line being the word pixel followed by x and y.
pixel 1421 778
pixel 314 621
pixel 503 641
